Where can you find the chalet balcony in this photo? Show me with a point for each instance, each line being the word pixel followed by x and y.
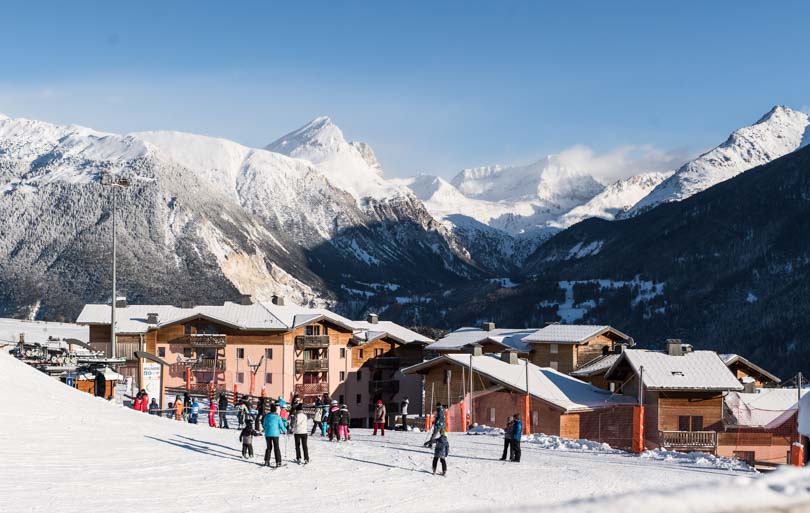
pixel 319 365
pixel 210 364
pixel 201 340
pixel 386 386
pixel 689 440
pixel 309 389
pixel 384 363
pixel 311 342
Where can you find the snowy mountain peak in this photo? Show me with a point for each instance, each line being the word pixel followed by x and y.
pixel 352 167
pixel 780 131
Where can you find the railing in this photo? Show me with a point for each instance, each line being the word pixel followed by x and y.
pixel 319 365
pixel 384 362
pixel 210 363
pixel 688 439
pixel 307 389
pixel 311 342
pixel 123 349
pixel 387 386
pixel 201 340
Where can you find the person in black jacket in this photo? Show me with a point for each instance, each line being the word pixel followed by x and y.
pixel 246 437
pixel 507 439
pixel 223 408
pixel 260 411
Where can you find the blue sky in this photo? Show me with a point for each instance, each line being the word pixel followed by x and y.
pixel 433 87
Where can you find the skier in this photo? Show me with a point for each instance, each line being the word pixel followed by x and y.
pixel 212 414
pixel 343 423
pixel 517 434
pixel 379 417
pixel 438 424
pixel 299 429
pixel 246 437
pixel 507 439
pixel 194 412
pixel 179 409
pixel 136 403
pixel 244 413
pixel 144 401
pixel 334 420
pixel 223 409
pixel 186 405
pixel 325 420
pixel 154 407
pixel 440 453
pixel 404 409
pixel 273 427
pixel 260 413
pixel 317 419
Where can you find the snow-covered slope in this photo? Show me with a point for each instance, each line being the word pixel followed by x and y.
pixel 64 450
pixel 352 167
pixel 615 199
pixel 777 133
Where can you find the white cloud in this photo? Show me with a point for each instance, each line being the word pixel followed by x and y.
pixel 623 161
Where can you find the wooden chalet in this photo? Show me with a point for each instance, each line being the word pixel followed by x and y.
pixel 748 372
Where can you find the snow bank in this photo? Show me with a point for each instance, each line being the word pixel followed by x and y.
pixel 697 458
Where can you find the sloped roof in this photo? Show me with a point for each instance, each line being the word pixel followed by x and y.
pixel 571 333
pixel 694 370
pixel 596 366
pixel 465 337
pixel 767 408
pixel 545 384
pixel 40 331
pixel 391 329
pixel 730 358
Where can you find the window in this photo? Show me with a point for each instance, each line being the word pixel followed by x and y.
pixel 240 353
pixel 343 352
pixel 268 378
pixel 240 377
pixel 312 330
pixel 359 398
pixel 162 352
pixel 492 415
pixel 379 352
pixel 553 365
pixel 342 376
pixel 360 354
pixel 187 352
pixel 552 348
pixel 186 328
pixel 535 418
pixel 268 353
pixel 690 423
pixel 359 375
pixel 325 329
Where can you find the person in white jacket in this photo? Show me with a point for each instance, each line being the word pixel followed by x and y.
pixel 404 406
pixel 299 429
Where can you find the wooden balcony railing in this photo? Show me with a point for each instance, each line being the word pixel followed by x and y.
pixel 384 362
pixel 387 386
pixel 319 365
pixel 311 342
pixel 202 340
pixel 210 363
pixel 308 389
pixel 688 439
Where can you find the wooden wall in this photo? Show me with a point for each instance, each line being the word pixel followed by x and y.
pixel 565 356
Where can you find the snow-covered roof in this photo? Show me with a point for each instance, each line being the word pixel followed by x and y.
pixel 546 384
pixel 256 316
pixel 465 337
pixel 730 358
pixel 40 331
pixel 596 366
pixel 694 370
pixel 767 408
pixel 571 333
pixel 382 329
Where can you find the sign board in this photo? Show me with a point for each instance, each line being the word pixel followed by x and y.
pixel 151 379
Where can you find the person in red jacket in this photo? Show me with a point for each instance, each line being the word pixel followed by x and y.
pixel 212 415
pixel 136 403
pixel 144 401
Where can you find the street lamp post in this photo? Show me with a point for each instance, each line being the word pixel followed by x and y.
pixel 116 183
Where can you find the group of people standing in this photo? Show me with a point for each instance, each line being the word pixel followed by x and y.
pixel 512 434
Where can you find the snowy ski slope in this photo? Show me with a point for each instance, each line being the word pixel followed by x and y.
pixel 62 450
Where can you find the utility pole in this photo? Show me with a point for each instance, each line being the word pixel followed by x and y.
pixel 115 183
pixel 472 415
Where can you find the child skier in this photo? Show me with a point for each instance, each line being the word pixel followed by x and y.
pixel 334 420
pixel 317 419
pixel 438 425
pixel 273 427
pixel 194 412
pixel 178 408
pixel 343 423
pixel 440 453
pixel 212 414
pixel 379 417
pixel 246 437
pixel 154 407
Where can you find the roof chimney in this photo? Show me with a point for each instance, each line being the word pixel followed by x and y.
pixel 372 318
pixel 749 385
pixel 246 299
pixel 186 303
pixel 121 302
pixel 477 350
pixel 510 357
pixel 674 347
pixel 277 300
pixel 151 318
pixel 488 326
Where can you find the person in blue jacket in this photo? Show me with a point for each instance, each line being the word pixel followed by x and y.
pixel 194 413
pixel 274 426
pixel 517 434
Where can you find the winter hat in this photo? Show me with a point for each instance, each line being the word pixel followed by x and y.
pixel 379 401
pixel 333 403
